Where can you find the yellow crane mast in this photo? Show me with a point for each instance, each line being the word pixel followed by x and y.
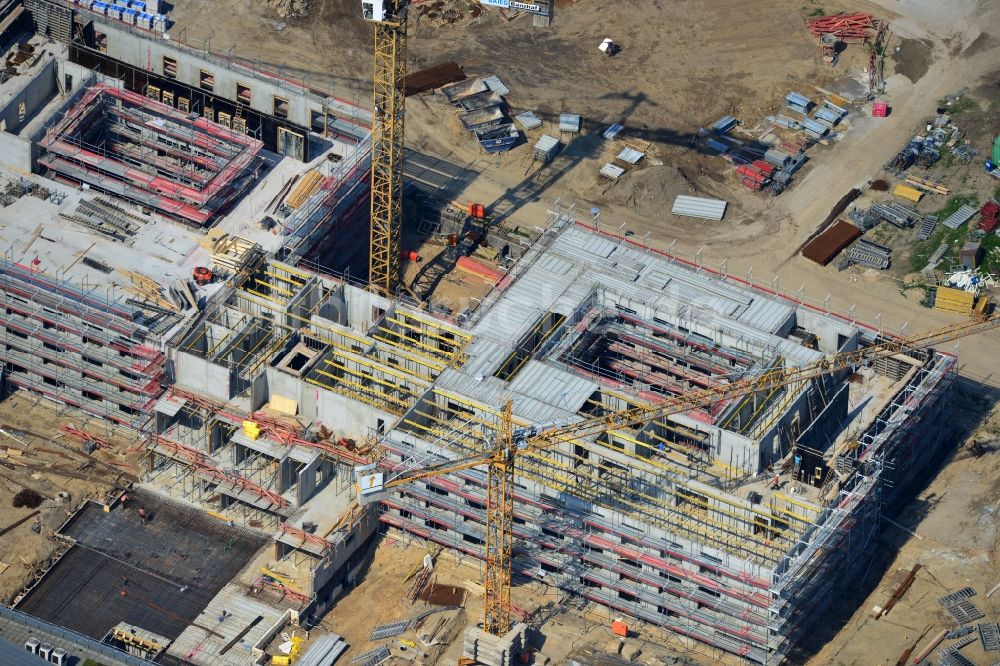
pixel 389 20
pixel 510 443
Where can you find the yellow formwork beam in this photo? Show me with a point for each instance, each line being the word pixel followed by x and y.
pixel 441 356
pixel 273 287
pixel 260 295
pixel 356 395
pixel 362 387
pixel 436 324
pixel 366 375
pixel 284 278
pixel 380 367
pixel 451 342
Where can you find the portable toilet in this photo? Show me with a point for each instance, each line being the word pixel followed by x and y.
pixel 31 645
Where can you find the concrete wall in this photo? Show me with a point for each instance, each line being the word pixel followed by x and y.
pixel 201 376
pixel 15 152
pixel 144 52
pixel 831 331
pixel 34 92
pixel 355 418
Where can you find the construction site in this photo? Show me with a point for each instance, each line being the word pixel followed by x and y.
pixel 273 394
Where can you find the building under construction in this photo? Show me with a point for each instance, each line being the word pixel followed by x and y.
pixel 730 524
pixel 260 385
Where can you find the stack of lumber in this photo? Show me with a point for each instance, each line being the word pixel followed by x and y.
pixel 479 269
pixel 233 253
pixel 149 290
pixel 304 189
pixel 927 185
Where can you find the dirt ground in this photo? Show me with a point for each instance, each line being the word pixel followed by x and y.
pixel 570 629
pixel 683 65
pixel 35 454
pixel 957 546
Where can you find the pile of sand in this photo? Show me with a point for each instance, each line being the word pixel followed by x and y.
pixel 651 190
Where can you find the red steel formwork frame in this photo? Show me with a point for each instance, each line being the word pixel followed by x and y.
pixel 193 168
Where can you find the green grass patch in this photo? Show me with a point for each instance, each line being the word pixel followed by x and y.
pixel 819 11
pixel 923 250
pixel 991 261
pixel 961 105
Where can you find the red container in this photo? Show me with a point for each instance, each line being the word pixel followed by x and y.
pixel 477 211
pixel 764 167
pixel 880 110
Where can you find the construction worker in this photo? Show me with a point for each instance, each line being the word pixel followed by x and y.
pixel 142 516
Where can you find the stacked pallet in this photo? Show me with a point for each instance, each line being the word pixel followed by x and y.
pixel 954 300
pixel 304 189
pixel 988 215
pixel 907 192
pixel 233 253
pixel 867 253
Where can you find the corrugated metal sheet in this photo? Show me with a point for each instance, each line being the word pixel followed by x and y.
pixel 553 385
pixel 554 264
pixel 708 209
pixel 496 85
pixel 717 146
pixel 776 157
pixel 828 114
pixel 769 315
pixel 612 132
pixel 631 155
pixel 783 121
pixel 611 171
pixel 724 124
pixel 795 99
pixel 528 120
pixel 569 122
pixel 546 147
pixel 824 247
pixel 323 652
pixel 599 246
pixel 812 126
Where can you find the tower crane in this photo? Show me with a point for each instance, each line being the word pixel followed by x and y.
pixel 389 20
pixel 511 442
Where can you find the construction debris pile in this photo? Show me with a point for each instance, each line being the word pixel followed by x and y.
pixel 925 149
pixel 484 112
pixel 289 8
